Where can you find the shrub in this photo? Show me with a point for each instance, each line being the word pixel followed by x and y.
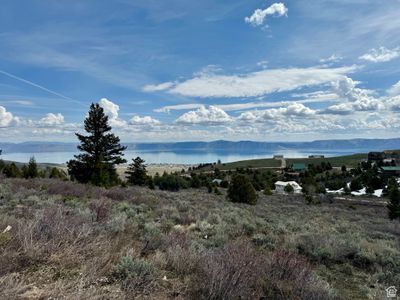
pixel 394 203
pixel 135 275
pixel 150 183
pixel 181 255
pixel 289 189
pixel 12 171
pixel 267 191
pixel 290 276
pixel 355 185
pixel 217 191
pixel 195 181
pixel 224 184
pixel 57 174
pixel 172 182
pixel 67 189
pixel 101 209
pixel 128 267
pixel 241 190
pixel 231 272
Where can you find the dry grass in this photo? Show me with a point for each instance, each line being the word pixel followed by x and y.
pixel 68 239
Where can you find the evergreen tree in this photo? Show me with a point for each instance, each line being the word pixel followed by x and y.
pixel 150 183
pixel 394 196
pixel 101 151
pixel 12 170
pixel 57 173
pixel 289 189
pixel 195 181
pixel 30 170
pixel 241 190
pixel 137 172
pixel 2 164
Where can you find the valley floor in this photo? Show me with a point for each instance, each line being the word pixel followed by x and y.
pixel 61 240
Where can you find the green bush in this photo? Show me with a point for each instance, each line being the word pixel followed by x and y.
pixel 135 275
pixel 172 182
pixel 289 189
pixel 12 171
pixel 355 185
pixel 267 191
pixel 128 267
pixel 241 190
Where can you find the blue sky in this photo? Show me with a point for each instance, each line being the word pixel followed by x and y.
pixel 201 70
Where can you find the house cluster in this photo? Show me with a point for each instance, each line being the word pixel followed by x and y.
pixel 388 161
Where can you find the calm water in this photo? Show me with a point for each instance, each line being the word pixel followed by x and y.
pixel 152 157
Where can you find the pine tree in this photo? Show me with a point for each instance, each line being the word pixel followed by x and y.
pixel 241 190
pixel 101 151
pixel 30 170
pixel 394 196
pixel 137 172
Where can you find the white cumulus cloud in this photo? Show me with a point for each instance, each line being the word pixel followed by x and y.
pixel 295 110
pixel 259 16
pixel 357 99
pixel 394 103
pixel 395 89
pixel 111 110
pixel 146 120
pixel 52 119
pixel 205 116
pixel 6 118
pixel 381 54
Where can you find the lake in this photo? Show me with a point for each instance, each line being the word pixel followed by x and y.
pixel 181 157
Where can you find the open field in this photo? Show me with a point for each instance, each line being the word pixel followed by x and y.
pixel 72 241
pixel 253 163
pixel 350 161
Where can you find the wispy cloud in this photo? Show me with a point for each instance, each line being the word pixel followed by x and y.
pixel 330 59
pixel 41 87
pixel 326 98
pixel 381 54
pixel 257 83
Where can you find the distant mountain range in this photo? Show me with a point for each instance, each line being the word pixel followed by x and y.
pixel 352 145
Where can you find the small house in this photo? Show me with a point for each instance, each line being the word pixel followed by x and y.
pixel 390 170
pixel 217 181
pixel 280 187
pixel 279 156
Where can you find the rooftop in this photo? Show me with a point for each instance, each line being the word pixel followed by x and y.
pixel 298 166
pixel 391 168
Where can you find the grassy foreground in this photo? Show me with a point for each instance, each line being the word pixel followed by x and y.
pixel 71 241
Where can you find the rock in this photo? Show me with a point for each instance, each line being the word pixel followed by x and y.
pixel 8 228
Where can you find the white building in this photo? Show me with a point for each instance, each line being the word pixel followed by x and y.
pixel 280 187
pixel 217 181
